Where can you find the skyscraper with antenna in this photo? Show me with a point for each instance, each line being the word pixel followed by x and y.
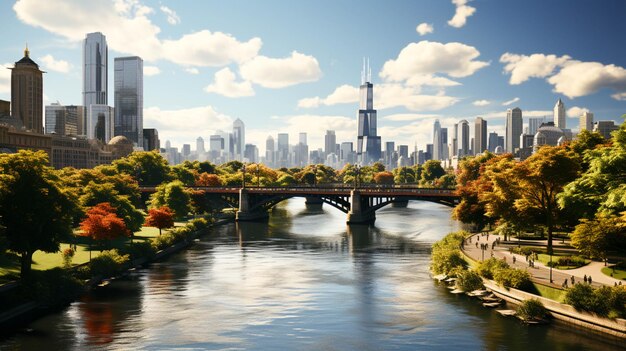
pixel 368 141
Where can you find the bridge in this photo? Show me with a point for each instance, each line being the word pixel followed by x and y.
pixel 360 203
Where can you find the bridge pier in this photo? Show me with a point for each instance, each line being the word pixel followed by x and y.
pixel 358 214
pixel 313 203
pixel 244 214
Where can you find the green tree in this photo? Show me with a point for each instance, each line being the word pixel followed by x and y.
pixel 34 208
pixel 173 195
pixel 432 171
pixel 148 167
pixel 541 178
pixel 383 178
pixel 404 175
pixel 593 238
pixel 471 183
pixel 185 172
pixel 94 194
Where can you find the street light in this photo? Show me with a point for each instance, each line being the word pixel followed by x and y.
pixel 258 179
pixel 243 169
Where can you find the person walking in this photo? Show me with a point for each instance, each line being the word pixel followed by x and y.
pixel 565 283
pixel 573 282
pixel 585 278
pixel 589 279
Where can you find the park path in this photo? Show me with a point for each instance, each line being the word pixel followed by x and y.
pixel 540 272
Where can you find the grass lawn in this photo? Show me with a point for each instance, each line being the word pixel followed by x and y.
pixel 543 258
pixel 549 292
pixel 617 274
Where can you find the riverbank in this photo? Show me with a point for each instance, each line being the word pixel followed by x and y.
pixel 16 317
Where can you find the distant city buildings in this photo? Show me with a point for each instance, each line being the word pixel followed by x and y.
pixel 586 121
pixel 480 135
pixel 559 115
pixel 128 79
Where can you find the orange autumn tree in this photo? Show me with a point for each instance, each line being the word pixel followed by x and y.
pixel 102 223
pixel 161 217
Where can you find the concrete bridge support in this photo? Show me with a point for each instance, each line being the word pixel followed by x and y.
pixel 245 213
pixel 313 203
pixel 359 213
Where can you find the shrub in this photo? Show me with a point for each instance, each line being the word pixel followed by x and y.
pixel 82 272
pixel 531 309
pixel 512 278
pixel 108 264
pixel 488 267
pixel 53 287
pixel 67 254
pixel 575 261
pixel 164 241
pixel 446 254
pixel 527 250
pixel 617 302
pixel 584 298
pixel 141 249
pixel 469 281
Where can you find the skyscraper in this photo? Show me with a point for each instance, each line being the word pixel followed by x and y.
pixel 464 139
pixel 586 121
pixel 302 151
pixel 330 140
pixel 283 150
pixel 60 121
pixel 27 93
pixel 99 122
pixel 444 144
pixel 534 124
pixel 200 146
pixel 239 139
pixel 128 78
pixel 368 142
pixel 493 141
pixel 514 126
pixel 480 135
pixel 436 140
pixel 269 151
pixel 95 58
pixel 455 140
pixel 559 114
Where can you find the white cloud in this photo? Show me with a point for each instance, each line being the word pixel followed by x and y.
pixel 52 64
pixel 619 96
pixel 510 102
pixel 129 31
pixel 172 17
pixel 5 77
pixel 178 125
pixel 501 115
pixel 481 103
pixel 192 70
pixel 281 72
pixel 584 78
pixel 523 67
pixel 426 58
pixel 424 28
pixel 151 70
pixel 463 11
pixel 404 117
pixel 576 111
pixel 343 94
pixel 225 84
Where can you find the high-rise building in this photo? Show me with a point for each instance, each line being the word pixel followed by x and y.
pixel 283 150
pixel 455 140
pixel 151 139
pixel 60 120
pixel 436 140
pixel 27 93
pixel 200 146
pixel 464 139
pixel 368 142
pixel 347 152
pixel 493 141
pixel 480 135
pixel 514 128
pixel 99 122
pixel 269 151
pixel 95 58
pixel 302 151
pixel 186 151
pixel 239 139
pixel 403 151
pixel 445 154
pixel 251 153
pixel 559 115
pixel 586 121
pixel 605 128
pixel 330 139
pixel 534 124
pixel 128 79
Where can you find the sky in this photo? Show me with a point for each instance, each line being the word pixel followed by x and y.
pixel 295 66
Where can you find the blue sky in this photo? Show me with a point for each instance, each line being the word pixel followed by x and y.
pixel 294 66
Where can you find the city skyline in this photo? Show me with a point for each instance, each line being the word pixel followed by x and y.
pixel 473 70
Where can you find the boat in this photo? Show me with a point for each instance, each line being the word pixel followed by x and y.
pixel 457 291
pixel 491 304
pixel 477 293
pixel 507 312
pixel 440 277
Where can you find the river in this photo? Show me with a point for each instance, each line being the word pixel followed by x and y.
pixel 303 281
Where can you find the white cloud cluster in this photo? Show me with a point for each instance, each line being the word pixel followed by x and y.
pixel 510 102
pixel 172 16
pixel 343 94
pixel 426 58
pixel 481 102
pixel 424 28
pixel 569 77
pixel 52 64
pixel 225 84
pixel 619 96
pixel 192 70
pixel 151 70
pixel 129 30
pixel 463 11
pixel 576 111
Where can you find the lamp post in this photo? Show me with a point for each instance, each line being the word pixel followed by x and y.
pixel 243 169
pixel 550 252
pixel 258 179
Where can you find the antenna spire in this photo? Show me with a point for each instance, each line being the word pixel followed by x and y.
pixel 369 71
pixel 363 72
pixel 26 51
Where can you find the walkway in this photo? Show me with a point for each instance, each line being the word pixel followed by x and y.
pixel 540 272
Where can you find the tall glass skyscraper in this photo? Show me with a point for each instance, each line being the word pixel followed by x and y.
pixel 239 136
pixel 368 142
pixel 128 78
pixel 95 58
pixel 514 124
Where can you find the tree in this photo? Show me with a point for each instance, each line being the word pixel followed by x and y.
pixel 471 183
pixel 94 194
pixel 404 175
pixel 446 181
pixel 173 195
pixel 206 179
pixel 432 170
pixel 148 167
pixel 102 223
pixel 541 178
pixel 185 172
pixel 161 217
pixel 593 238
pixel 35 210
pixel 383 178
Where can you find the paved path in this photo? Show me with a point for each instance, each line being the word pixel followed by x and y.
pixel 540 272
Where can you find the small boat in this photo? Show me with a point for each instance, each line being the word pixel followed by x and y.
pixel 507 312
pixel 490 298
pixel 104 283
pixel 457 291
pixel 440 277
pixel 477 293
pixel 450 280
pixel 491 304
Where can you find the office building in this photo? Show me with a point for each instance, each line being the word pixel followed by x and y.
pixel 445 153
pixel 128 77
pixel 368 142
pixel 347 152
pixel 534 124
pixel 463 135
pixel 330 140
pixel 559 115
pixel 251 153
pixel 480 135
pixel 100 122
pixel 282 159
pixel 95 58
pixel 239 139
pixel 437 140
pixel 269 151
pixel 151 139
pixel 200 146
pixel 605 128
pixel 514 128
pixel 493 142
pixel 27 93
pixel 586 121
pixel 61 121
